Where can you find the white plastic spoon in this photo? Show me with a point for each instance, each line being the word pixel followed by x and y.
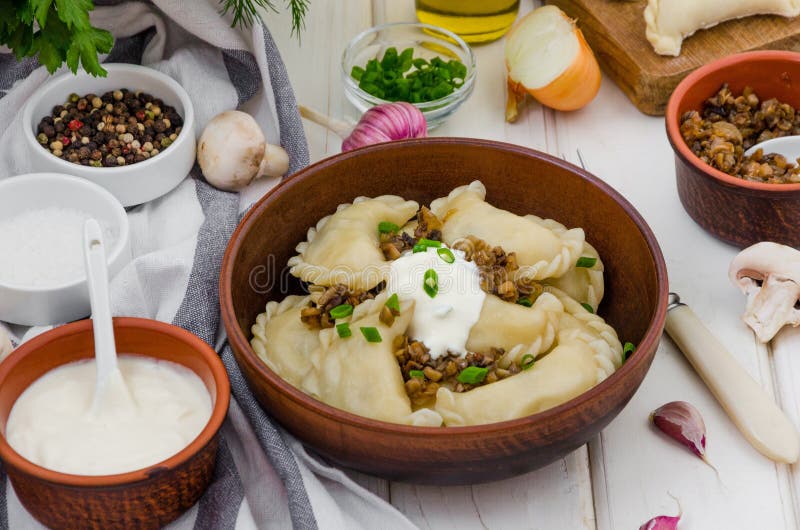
pixel 788 146
pixel 110 389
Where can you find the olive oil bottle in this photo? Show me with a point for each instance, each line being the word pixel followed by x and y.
pixel 475 21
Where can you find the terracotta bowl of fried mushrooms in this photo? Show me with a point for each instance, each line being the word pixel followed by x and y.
pixel 516 179
pixel 713 116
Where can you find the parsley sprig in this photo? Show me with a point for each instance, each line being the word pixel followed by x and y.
pixel 56 31
pixel 60 31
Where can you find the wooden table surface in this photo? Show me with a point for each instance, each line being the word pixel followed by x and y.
pixel 626 475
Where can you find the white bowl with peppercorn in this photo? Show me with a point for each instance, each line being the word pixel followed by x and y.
pixel 131 132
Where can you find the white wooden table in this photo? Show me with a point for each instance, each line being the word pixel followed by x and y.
pixel 624 476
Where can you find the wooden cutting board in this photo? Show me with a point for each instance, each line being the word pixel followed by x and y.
pixel 615 31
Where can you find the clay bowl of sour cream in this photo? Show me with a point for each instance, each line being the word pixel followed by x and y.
pixel 517 179
pixel 139 468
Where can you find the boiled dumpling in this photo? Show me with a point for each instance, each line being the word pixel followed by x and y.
pixel 567 371
pixel 344 248
pixel 283 341
pixel 363 377
pixel 584 284
pixel 541 253
pixel 507 325
pixel 577 322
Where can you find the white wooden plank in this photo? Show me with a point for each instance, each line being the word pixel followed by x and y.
pixel 786 372
pixel 633 466
pixel 314 61
pixel 557 497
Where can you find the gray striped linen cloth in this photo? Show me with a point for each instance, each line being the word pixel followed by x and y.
pixel 264 477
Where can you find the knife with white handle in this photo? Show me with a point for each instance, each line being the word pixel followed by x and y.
pixel 753 412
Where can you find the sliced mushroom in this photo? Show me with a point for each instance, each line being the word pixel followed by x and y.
pixel 769 274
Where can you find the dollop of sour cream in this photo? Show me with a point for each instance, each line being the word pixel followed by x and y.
pixel 441 322
pixel 53 423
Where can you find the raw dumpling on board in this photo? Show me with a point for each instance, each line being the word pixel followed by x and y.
pixel 541 252
pixel 508 325
pixel 567 371
pixel 283 341
pixel 344 247
pixel 363 377
pixel 668 22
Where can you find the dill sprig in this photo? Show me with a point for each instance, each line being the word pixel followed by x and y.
pixel 245 12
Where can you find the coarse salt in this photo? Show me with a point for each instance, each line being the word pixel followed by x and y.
pixel 44 247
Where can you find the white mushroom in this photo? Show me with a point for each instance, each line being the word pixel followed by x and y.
pixel 769 274
pixel 232 152
pixel 5 344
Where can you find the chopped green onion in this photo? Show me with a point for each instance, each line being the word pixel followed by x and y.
pixel 401 77
pixel 431 283
pixel 527 361
pixel 419 248
pixel 429 242
pixel 416 373
pixel 343 330
pixel 446 254
pixel 627 350
pixel 371 334
pixel 385 227
pixel 586 262
pixel 393 303
pixel 587 307
pixel 527 302
pixel 341 311
pixel 472 375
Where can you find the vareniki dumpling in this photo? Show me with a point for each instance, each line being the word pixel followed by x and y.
pixel 506 325
pixel 363 377
pixel 283 341
pixel 541 252
pixel 344 248
pixel 584 284
pixel 567 371
pixel 577 322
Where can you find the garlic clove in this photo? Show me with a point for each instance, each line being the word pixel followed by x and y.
pixel 662 522
pixel 682 422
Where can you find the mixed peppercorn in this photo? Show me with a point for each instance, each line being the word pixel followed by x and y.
pixel 117 128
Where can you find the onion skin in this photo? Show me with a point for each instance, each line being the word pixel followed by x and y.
pixel 573 89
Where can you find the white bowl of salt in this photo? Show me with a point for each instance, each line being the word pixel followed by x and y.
pixel 42 215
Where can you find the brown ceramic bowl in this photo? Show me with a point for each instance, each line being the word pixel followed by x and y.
pixel 143 499
pixel 518 179
pixel 735 210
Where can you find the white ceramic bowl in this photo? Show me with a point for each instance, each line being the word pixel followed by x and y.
pixel 30 305
pixel 135 183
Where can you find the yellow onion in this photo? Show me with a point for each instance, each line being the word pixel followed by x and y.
pixel 547 57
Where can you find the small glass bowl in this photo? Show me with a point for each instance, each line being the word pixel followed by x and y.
pixel 428 42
